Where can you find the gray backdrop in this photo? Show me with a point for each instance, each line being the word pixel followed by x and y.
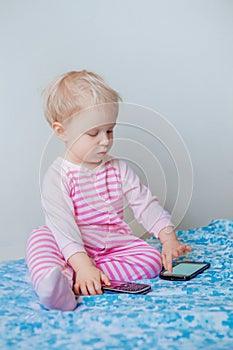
pixel 172 57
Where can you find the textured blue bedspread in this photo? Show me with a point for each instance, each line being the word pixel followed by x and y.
pixel 197 314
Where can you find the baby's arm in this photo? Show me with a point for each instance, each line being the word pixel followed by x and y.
pixel 59 212
pixel 88 278
pixel 151 215
pixel 60 218
pixel 171 247
pixel 146 208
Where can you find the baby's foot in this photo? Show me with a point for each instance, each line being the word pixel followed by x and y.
pixel 55 292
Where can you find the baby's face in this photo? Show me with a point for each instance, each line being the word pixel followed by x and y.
pixel 90 135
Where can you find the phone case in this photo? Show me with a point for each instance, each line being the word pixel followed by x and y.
pixel 127 287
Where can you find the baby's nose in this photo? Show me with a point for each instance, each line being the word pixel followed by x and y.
pixel 104 140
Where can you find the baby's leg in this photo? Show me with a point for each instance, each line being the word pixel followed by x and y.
pixel 136 260
pixel 51 276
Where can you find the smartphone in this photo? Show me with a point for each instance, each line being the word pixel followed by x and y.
pixel 127 287
pixel 184 270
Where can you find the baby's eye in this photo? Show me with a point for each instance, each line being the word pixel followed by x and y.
pixel 92 133
pixel 109 131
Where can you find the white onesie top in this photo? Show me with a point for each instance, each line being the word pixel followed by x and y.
pixel 84 206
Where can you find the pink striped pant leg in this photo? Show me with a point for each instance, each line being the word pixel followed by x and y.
pixel 137 260
pixel 42 253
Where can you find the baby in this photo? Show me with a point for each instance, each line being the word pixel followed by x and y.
pixel 86 242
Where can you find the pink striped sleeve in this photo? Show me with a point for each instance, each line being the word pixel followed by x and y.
pixel 59 211
pixel 146 208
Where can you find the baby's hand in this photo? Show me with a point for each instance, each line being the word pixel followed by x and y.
pixel 171 248
pixel 89 280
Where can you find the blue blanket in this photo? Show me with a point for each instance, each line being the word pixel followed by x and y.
pixel 197 314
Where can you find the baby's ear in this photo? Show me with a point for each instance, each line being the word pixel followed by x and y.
pixel 59 131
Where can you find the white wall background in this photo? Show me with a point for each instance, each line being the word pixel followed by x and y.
pixel 174 57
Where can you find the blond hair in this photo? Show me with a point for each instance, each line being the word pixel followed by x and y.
pixel 73 92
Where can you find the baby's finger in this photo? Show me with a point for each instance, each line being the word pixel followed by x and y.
pixel 91 287
pixel 176 253
pixel 98 288
pixel 164 261
pixel 105 279
pixel 183 249
pixel 169 263
pixel 76 289
pixel 83 288
pixel 189 249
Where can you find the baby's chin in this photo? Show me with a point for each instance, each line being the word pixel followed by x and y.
pixel 101 158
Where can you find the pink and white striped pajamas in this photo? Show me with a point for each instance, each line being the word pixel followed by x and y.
pixel 84 213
